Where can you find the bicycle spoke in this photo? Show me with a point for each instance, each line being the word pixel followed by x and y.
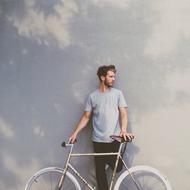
pixel 48 180
pixel 147 178
pixel 149 181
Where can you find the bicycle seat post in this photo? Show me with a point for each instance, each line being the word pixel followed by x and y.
pixel 116 164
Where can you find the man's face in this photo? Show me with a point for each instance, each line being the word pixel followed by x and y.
pixel 109 79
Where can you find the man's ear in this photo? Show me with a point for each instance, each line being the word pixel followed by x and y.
pixel 102 78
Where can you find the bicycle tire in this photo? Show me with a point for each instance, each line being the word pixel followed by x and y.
pixel 147 178
pixel 48 178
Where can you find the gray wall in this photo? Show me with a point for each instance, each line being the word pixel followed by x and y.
pixel 49 53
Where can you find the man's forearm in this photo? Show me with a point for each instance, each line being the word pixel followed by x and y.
pixel 124 124
pixel 82 123
pixel 124 120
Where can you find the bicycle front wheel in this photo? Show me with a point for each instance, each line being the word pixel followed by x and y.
pixel 48 178
pixel 146 178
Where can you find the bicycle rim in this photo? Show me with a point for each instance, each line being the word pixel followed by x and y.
pixel 147 178
pixel 47 179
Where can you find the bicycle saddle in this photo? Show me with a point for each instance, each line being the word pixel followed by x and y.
pixel 120 139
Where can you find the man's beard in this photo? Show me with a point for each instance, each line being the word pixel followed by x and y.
pixel 109 85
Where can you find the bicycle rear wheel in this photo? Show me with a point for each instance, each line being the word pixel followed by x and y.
pixel 48 178
pixel 146 177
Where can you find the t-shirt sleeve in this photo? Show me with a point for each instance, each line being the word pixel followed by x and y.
pixel 88 106
pixel 122 101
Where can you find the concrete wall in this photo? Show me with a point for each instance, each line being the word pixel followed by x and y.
pixel 49 53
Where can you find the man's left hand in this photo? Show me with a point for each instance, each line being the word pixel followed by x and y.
pixel 126 135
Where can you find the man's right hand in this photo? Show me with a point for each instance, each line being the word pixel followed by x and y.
pixel 73 138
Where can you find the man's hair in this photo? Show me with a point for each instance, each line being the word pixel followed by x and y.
pixel 103 70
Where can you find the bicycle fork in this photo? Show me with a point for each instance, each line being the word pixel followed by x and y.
pixel 60 183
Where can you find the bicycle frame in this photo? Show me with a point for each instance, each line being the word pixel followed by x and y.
pixel 69 165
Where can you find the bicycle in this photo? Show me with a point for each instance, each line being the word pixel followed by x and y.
pixel 135 178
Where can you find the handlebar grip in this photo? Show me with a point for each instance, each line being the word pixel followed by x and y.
pixel 63 144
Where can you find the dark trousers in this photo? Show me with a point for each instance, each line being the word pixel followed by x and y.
pixel 101 161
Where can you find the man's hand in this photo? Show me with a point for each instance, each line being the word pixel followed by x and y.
pixel 126 135
pixel 73 138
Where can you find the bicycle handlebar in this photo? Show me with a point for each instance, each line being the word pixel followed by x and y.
pixel 64 144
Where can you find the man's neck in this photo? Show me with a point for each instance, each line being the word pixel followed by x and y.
pixel 104 88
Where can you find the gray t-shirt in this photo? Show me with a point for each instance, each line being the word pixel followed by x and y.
pixel 104 106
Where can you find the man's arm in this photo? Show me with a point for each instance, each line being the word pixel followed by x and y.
pixel 124 123
pixel 82 123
